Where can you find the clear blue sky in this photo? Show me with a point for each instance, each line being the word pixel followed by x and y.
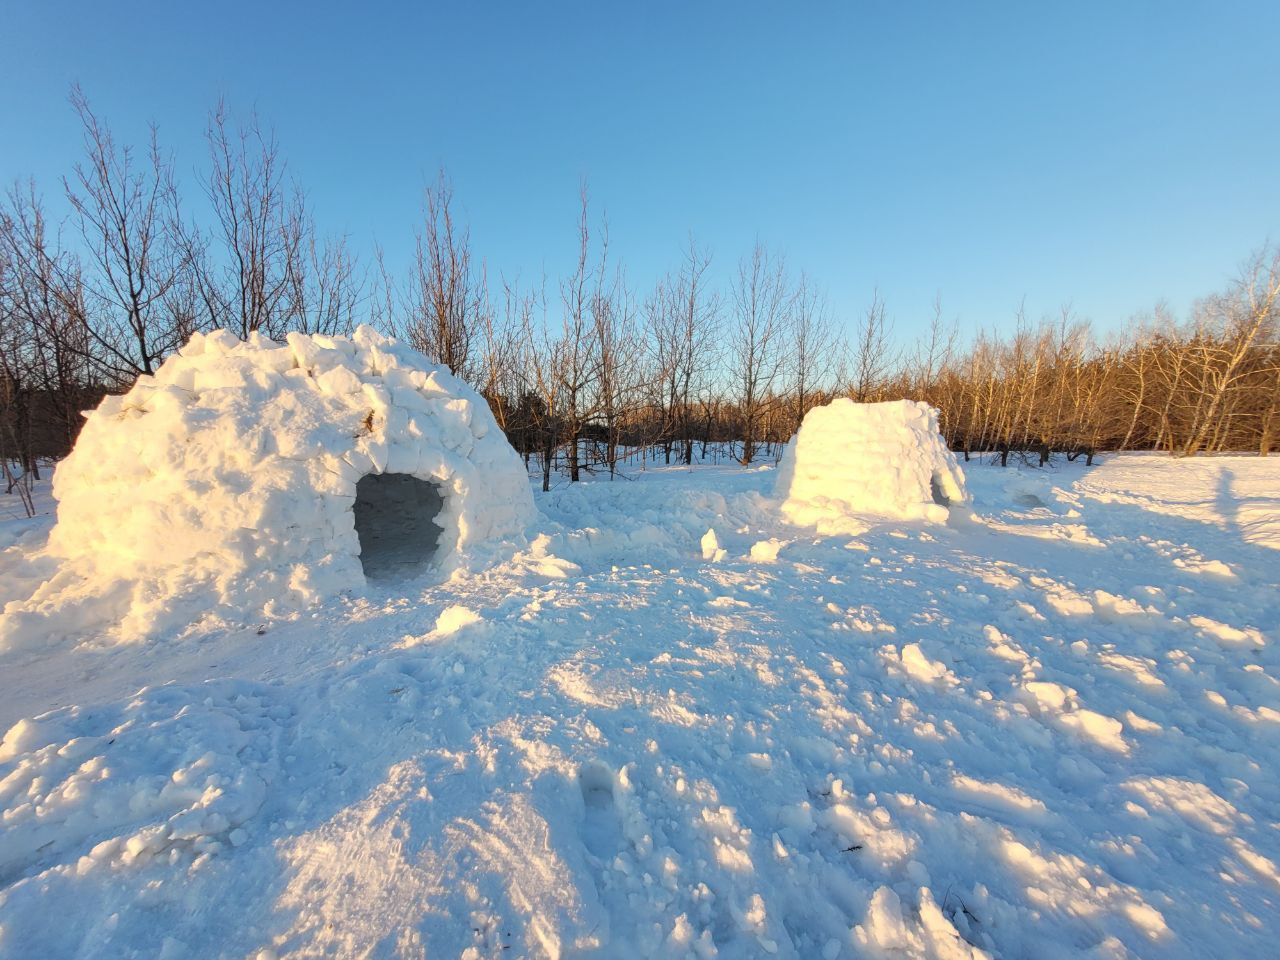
pixel 1107 154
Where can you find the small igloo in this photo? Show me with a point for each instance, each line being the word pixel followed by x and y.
pixel 250 478
pixel 852 460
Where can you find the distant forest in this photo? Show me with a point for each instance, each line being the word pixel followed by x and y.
pixel 579 367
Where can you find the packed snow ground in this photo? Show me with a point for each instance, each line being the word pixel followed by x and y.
pixel 1048 731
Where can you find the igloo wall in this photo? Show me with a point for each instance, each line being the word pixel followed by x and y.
pixel 851 460
pixel 226 483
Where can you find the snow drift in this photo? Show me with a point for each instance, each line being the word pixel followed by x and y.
pixel 236 481
pixel 850 459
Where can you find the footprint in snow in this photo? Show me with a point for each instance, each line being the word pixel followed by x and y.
pixel 601 828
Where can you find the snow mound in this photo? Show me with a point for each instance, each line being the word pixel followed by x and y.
pixel 885 459
pixel 227 484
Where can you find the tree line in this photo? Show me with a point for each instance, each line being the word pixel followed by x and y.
pixel 583 372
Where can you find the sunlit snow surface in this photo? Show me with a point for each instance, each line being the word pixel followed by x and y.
pixel 1051 731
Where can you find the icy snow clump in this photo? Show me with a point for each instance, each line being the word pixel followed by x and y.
pixel 855 459
pixel 227 484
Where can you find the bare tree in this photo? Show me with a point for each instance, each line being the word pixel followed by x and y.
pixel 501 364
pixel 578 360
pixel 542 400
pixel 933 353
pixel 125 211
pixel 1271 412
pixel 682 320
pixel 447 299
pixel 873 353
pixel 1247 314
pixel 762 308
pixel 617 350
pixel 42 300
pixel 813 354
pixel 326 286
pixel 1137 364
pixel 697 323
pixel 663 340
pixel 243 269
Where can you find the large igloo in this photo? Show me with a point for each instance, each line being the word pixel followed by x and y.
pixel 249 479
pixel 852 460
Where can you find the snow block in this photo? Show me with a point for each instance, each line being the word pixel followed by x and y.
pixel 226 483
pixel 852 460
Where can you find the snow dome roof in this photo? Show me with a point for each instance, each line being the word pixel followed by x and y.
pixel 850 459
pixel 227 482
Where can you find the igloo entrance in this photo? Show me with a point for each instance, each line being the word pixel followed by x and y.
pixel 937 491
pixel 396 524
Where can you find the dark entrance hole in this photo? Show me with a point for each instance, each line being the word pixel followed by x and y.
pixel 396 523
pixel 935 488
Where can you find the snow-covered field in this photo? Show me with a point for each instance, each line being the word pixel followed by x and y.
pixel 1048 731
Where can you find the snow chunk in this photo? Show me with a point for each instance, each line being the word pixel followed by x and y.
pixel 1060 705
pixel 766 551
pixel 454 618
pixel 1192 801
pixel 1049 696
pixel 711 549
pixel 888 931
pixel 540 560
pixel 884 459
pixel 226 484
pixel 451 620
pixel 920 666
pixel 914 662
pixel 1225 632
pixel 1102 730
